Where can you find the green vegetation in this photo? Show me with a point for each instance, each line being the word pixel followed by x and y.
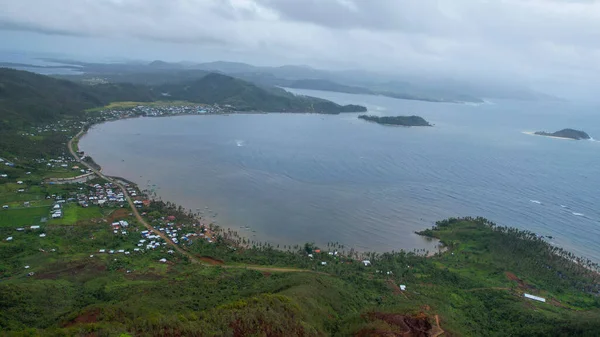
pixel 565 133
pixel 396 120
pixel 128 105
pixel 16 217
pixel 221 89
pixel 27 98
pixel 74 213
pixel 475 288
pixel 79 276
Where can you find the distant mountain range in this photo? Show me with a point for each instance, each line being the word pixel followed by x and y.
pixel 304 77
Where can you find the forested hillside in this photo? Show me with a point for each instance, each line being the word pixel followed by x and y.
pixel 27 98
pixel 222 89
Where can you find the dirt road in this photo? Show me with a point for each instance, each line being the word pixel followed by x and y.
pixel 137 215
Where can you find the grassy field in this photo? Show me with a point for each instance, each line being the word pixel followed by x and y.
pixel 61 174
pixel 23 216
pixel 73 213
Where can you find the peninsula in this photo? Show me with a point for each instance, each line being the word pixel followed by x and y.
pixel 565 133
pixel 396 120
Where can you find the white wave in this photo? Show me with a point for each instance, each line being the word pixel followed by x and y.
pixel 240 143
pixel 536 202
pixel 578 214
pixel 563 206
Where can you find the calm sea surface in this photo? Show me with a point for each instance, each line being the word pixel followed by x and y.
pixel 298 178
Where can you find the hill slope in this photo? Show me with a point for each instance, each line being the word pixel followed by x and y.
pixel 27 98
pixel 244 96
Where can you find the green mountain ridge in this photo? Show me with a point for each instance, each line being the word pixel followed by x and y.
pixel 222 89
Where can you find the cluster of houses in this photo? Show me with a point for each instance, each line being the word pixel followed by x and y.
pixel 58 126
pixel 56 212
pixel 107 194
pixel 120 226
pixel 62 162
pixel 157 111
pixel 151 240
pixel 174 232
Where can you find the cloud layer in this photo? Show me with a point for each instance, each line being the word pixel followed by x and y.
pixel 536 40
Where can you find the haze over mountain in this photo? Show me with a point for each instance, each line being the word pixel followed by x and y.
pixel 300 77
pixel 493 46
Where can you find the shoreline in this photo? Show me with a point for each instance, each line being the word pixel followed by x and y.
pixel 203 219
pixel 86 128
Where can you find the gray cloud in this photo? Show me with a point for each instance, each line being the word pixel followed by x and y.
pixel 538 41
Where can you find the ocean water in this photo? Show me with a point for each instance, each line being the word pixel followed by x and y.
pixel 295 178
pixel 37 59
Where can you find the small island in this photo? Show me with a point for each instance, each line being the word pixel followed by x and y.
pixel 565 133
pixel 396 120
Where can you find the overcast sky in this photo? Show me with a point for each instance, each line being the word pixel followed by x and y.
pixel 544 42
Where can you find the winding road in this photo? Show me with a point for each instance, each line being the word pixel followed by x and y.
pixel 193 259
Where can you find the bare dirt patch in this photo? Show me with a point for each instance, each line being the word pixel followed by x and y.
pixel 521 283
pixel 395 288
pixel 211 260
pixel 84 318
pixel 118 214
pixel 404 325
pixel 57 271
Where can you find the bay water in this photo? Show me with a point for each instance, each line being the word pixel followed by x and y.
pixel 295 178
